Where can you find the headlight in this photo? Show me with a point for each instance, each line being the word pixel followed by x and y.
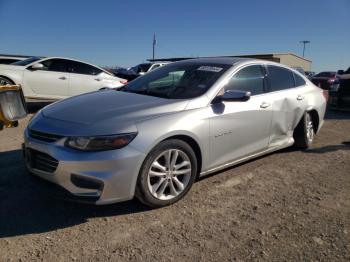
pixel 100 143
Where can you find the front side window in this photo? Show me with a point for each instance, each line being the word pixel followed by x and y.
pixel 280 78
pixel 178 81
pixel 250 78
pixel 55 65
pixel 82 68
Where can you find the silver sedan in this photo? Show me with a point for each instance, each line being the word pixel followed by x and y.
pixel 156 135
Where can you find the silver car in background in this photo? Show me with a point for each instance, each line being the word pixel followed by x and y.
pixel 153 138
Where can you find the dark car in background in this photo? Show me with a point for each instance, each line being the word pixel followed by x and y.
pixel 309 74
pixel 324 79
pixel 339 93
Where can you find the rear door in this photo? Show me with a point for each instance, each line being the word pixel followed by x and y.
pixel 51 81
pixel 287 93
pixel 238 129
pixel 84 78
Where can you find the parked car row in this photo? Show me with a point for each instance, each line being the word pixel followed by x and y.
pixel 324 79
pixel 339 92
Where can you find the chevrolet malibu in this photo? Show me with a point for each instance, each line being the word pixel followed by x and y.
pixel 155 136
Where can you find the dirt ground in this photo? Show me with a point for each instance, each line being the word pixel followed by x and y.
pixel 287 206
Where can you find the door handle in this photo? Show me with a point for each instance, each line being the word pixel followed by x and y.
pixel 264 105
pixel 97 79
pixel 300 97
pixel 62 78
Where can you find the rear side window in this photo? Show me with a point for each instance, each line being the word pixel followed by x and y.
pixel 250 78
pixel 280 78
pixel 85 69
pixel 299 81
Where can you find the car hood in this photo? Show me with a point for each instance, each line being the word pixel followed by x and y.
pixel 103 112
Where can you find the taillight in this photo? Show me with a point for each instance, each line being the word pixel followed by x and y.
pixel 124 82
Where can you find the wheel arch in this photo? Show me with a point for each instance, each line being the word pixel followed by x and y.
pixel 8 78
pixel 193 144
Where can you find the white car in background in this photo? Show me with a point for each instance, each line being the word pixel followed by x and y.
pixel 53 78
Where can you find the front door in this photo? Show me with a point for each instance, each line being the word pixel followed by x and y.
pixel 239 129
pixel 50 82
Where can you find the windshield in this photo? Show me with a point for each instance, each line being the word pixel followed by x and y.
pixel 27 61
pixel 178 81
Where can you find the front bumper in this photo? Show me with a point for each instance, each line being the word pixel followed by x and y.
pixel 99 177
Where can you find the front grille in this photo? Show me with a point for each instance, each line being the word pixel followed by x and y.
pixel 41 161
pixel 44 136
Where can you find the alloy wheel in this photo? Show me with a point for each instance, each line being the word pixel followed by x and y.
pixel 309 128
pixel 169 174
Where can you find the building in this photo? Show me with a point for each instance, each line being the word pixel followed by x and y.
pixel 288 59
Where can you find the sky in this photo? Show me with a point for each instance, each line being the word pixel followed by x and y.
pixel 109 33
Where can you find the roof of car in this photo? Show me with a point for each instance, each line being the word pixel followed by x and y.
pixel 218 60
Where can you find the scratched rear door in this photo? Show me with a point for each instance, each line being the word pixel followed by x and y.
pixel 288 104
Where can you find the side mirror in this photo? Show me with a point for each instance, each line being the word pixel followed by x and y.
pixel 233 96
pixel 340 72
pixel 12 105
pixel 37 66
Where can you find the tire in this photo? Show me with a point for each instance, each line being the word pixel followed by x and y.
pixel 304 133
pixel 160 183
pixel 5 81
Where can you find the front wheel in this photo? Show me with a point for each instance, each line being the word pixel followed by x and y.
pixel 4 81
pixel 304 133
pixel 167 174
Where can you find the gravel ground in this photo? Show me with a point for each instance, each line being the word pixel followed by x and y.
pixel 287 206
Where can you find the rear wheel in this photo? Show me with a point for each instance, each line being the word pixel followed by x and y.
pixel 167 173
pixel 304 133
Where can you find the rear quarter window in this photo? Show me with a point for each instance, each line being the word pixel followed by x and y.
pixel 299 81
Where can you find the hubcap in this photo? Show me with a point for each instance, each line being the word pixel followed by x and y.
pixel 309 129
pixel 169 174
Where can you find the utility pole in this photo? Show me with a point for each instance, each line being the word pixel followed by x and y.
pixel 304 42
pixel 154 44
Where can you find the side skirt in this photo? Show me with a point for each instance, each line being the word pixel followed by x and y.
pixel 244 159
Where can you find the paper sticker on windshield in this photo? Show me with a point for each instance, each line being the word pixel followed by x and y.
pixel 210 69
